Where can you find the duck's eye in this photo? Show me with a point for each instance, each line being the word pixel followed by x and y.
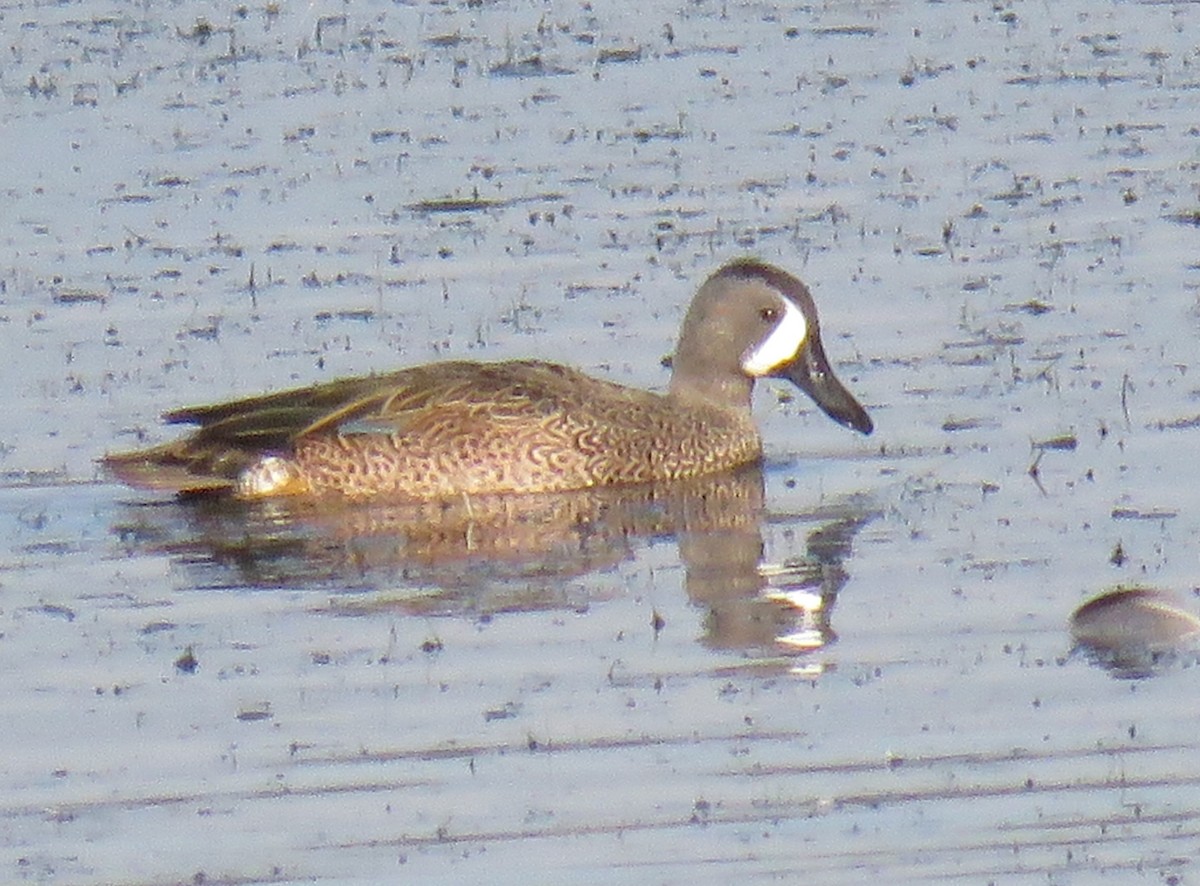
pixel 768 315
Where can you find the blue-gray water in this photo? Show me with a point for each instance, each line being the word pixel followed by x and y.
pixel 996 206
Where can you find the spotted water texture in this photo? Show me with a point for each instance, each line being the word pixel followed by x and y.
pixel 857 663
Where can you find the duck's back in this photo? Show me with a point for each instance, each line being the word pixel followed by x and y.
pixel 455 428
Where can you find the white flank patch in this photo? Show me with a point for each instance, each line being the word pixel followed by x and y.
pixel 781 345
pixel 270 475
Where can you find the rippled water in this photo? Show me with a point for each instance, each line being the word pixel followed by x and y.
pixel 856 663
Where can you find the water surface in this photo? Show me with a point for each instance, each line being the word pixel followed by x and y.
pixel 856 663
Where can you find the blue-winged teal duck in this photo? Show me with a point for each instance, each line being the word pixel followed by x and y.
pixel 462 428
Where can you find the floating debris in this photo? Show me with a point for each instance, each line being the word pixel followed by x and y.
pixel 452 204
pixel 475 203
pixel 79 297
pixel 1062 443
pixel 617 56
pixel 1136 514
pixel 1033 307
pixel 952 425
pixel 1189 217
pixel 261 711
pixel 362 315
pixel 432 645
pixel 1176 424
pixel 842 31
pixel 57 611
pixel 447 41
pixel 528 67
pixel 187 663
pixel 1118 556
pixel 506 712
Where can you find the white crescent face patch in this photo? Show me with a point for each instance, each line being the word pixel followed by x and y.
pixel 781 345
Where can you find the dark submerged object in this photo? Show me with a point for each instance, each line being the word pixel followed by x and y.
pixel 1136 632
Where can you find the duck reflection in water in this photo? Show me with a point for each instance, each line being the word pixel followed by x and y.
pixel 482 555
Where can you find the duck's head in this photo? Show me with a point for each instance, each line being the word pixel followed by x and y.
pixel 751 320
